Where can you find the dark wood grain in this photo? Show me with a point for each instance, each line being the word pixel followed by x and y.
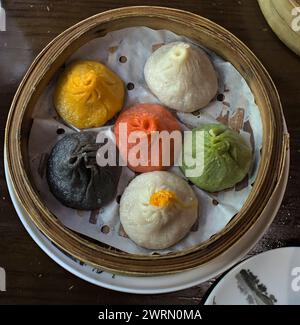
pixel 32 277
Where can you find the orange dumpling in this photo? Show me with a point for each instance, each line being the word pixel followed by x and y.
pixel 88 94
pixel 150 119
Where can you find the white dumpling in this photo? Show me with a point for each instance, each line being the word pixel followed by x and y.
pixel 181 76
pixel 158 209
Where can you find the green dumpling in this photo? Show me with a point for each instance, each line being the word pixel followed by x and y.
pixel 227 157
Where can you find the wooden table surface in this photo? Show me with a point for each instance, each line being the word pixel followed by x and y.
pixel 32 277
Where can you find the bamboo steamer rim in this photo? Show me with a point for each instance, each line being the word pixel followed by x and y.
pixel 278 15
pixel 202 31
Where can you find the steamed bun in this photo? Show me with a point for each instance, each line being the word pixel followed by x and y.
pixel 148 118
pixel 74 176
pixel 227 157
pixel 181 76
pixel 88 94
pixel 158 209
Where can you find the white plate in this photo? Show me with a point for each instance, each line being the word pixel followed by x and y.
pixel 156 284
pixel 269 278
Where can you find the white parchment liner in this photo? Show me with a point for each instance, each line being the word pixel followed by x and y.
pixel 236 109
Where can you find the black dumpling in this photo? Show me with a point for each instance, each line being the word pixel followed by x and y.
pixel 74 177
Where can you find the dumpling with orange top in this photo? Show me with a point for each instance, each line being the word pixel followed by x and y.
pixel 158 209
pixel 88 94
pixel 141 140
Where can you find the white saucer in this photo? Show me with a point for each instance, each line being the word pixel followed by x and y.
pixel 157 284
pixel 269 278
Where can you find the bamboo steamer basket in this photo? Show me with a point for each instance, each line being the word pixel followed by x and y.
pixel 201 31
pixel 284 19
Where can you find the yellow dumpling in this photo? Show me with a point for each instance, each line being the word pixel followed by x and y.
pixel 88 94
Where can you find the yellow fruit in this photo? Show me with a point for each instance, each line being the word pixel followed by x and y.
pixel 88 94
